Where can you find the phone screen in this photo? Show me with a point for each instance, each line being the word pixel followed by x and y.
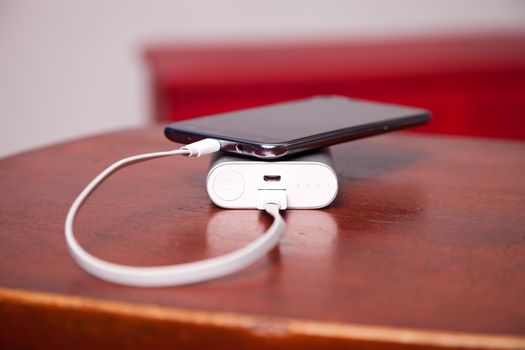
pixel 300 124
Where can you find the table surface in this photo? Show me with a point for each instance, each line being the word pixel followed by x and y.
pixel 426 238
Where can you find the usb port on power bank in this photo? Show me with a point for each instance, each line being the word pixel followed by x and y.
pixel 272 177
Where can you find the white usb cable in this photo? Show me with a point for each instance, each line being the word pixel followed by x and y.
pixel 172 275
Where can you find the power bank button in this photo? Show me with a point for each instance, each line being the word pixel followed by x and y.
pixel 228 185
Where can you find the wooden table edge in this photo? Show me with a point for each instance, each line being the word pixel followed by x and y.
pixel 258 325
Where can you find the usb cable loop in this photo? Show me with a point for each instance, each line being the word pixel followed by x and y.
pixel 180 274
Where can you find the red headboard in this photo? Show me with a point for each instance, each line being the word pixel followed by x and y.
pixel 473 84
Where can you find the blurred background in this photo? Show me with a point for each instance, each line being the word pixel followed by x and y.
pixel 71 69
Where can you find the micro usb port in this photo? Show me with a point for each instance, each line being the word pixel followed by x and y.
pixel 272 177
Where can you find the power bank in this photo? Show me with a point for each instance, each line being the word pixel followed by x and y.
pixel 306 181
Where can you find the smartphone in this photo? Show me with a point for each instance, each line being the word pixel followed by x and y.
pixel 283 129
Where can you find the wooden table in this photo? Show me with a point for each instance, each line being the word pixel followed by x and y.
pixel 424 247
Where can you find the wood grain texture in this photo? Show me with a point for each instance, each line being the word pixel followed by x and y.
pixel 427 233
pixel 93 323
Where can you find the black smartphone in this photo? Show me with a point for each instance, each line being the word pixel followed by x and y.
pixel 282 129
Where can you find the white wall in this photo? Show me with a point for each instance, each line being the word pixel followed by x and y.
pixel 72 68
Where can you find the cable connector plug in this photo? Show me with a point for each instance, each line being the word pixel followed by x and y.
pixel 202 147
pixel 272 196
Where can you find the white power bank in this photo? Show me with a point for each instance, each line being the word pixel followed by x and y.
pixel 306 181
